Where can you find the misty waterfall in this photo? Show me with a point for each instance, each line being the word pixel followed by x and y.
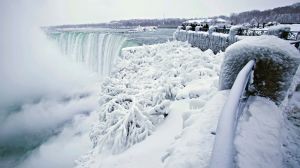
pixel 96 50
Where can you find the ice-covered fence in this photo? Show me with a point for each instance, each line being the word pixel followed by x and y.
pixel 223 152
pixel 277 62
pixel 203 40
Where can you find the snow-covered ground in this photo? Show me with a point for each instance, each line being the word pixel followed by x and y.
pixel 160 108
pixel 258 136
pixel 186 78
pixel 193 147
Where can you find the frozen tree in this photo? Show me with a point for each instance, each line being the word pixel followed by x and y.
pixel 137 96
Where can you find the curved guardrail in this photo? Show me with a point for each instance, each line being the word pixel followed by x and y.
pixel 223 151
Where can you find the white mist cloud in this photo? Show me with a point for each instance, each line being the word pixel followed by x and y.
pixel 30 65
pixel 40 119
pixel 61 151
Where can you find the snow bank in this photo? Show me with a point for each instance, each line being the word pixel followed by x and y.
pixel 258 136
pixel 203 40
pixel 276 64
pixel 136 97
pixel 193 147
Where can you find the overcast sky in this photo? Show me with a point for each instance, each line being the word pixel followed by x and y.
pixel 94 11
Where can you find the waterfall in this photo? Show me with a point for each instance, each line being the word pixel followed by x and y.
pixel 97 50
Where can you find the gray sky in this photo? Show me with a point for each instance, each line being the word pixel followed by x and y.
pixel 93 11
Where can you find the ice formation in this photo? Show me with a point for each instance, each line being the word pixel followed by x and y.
pixel 276 64
pixel 136 97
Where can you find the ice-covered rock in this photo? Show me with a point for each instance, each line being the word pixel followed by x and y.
pixel 276 64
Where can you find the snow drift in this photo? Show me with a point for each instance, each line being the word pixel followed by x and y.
pixel 258 136
pixel 276 64
pixel 193 147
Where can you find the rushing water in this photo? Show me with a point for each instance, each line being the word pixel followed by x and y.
pixel 98 49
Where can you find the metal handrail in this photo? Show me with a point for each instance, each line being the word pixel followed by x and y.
pixel 223 151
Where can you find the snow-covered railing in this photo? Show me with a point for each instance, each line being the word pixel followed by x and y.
pixel 223 151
